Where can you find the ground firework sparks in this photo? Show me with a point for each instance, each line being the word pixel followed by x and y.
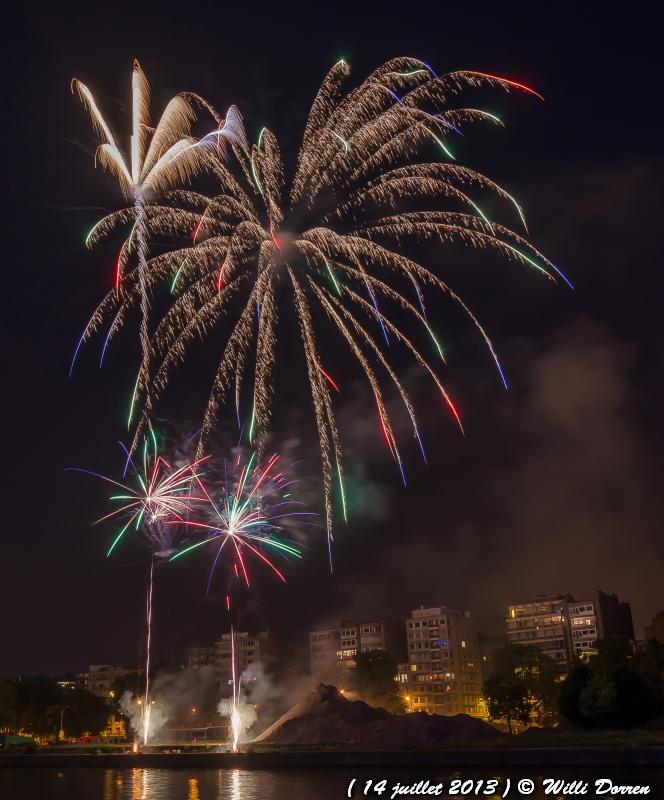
pixel 147 702
pixel 235 718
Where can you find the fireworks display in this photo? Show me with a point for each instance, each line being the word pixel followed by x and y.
pixel 160 157
pixel 245 505
pixel 162 495
pixel 158 506
pixel 148 170
pixel 248 514
pixel 249 507
pixel 235 717
pixel 326 246
pixel 331 246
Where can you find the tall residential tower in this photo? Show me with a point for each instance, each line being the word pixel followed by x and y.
pixel 444 674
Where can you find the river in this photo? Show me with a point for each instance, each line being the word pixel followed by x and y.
pixel 92 783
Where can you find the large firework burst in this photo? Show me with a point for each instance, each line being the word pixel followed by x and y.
pixel 160 157
pixel 333 237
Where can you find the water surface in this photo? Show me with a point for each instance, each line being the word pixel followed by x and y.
pixel 92 783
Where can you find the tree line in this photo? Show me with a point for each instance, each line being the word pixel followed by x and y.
pixel 39 705
pixel 618 687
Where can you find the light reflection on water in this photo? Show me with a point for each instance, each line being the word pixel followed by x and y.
pixel 241 784
pixel 167 784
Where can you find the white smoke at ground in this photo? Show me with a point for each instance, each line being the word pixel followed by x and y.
pixel 254 684
pixel 272 695
pixel 176 699
pixel 132 711
pixel 241 715
pixel 263 698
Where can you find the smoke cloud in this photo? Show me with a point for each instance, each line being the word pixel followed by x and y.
pixel 552 490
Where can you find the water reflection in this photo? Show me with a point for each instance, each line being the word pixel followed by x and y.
pixel 236 781
pixel 290 784
pixel 193 793
pixel 161 784
pixel 137 784
pixel 148 784
pixel 113 783
pixel 238 784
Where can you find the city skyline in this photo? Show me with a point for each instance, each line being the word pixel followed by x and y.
pixel 327 653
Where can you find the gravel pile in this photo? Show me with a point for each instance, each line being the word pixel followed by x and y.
pixel 326 717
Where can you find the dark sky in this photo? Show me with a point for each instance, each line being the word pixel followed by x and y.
pixel 557 485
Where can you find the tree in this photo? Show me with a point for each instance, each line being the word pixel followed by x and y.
pixel 40 705
pixel 37 699
pixel 635 699
pixel 7 703
pixel 570 693
pixel 649 663
pixel 509 700
pixel 613 653
pixel 528 666
pixel 597 699
pixel 375 677
pixel 85 713
pixel 612 691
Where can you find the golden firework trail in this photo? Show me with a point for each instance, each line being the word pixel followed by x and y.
pixel 159 157
pixel 327 244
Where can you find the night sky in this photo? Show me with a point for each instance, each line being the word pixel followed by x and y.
pixel 556 486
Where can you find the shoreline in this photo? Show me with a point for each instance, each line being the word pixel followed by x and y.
pixel 508 757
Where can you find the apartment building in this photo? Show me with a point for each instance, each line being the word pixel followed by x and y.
pixel 333 649
pixel 444 674
pixel 566 629
pixel 249 649
pixel 100 678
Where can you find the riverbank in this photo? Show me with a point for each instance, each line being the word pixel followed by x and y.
pixel 480 758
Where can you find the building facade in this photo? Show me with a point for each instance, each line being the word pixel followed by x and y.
pixel 614 617
pixel 332 650
pixel 100 678
pixel 250 649
pixel 584 628
pixel 444 674
pixel 325 655
pixel 115 730
pixel 198 658
pixel 567 630
pixel 542 623
pixel 656 628
pixel 490 645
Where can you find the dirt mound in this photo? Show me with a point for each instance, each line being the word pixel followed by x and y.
pixel 326 717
